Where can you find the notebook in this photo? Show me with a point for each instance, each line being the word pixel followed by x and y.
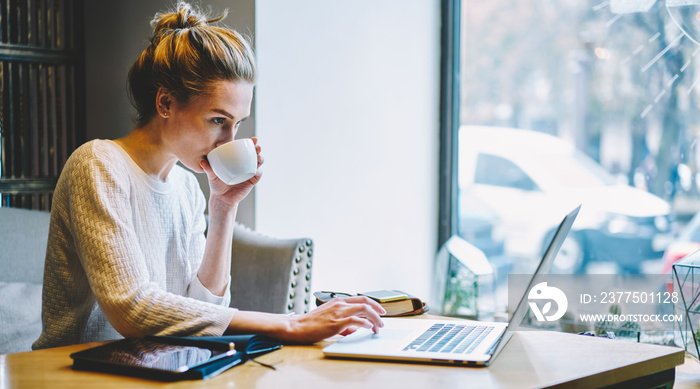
pixel 459 342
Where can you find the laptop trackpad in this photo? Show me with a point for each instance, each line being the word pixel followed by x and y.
pixel 365 342
pixel 384 335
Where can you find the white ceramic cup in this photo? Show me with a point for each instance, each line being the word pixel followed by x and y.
pixel 234 162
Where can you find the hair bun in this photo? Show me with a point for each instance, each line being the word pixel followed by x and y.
pixel 186 57
pixel 184 16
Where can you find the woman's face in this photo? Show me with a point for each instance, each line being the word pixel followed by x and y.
pixel 207 121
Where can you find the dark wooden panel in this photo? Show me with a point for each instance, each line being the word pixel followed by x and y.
pixel 41 96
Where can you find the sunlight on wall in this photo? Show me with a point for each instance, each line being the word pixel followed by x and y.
pixel 347 111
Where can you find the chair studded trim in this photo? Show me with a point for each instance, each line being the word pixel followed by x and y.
pixel 299 296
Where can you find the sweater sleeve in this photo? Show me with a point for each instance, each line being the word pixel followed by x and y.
pixel 200 292
pixel 108 249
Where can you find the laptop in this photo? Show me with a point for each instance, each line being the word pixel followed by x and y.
pixel 455 342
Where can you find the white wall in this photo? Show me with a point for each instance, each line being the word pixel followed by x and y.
pixel 347 114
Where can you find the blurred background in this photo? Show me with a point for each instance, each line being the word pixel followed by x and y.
pixel 585 102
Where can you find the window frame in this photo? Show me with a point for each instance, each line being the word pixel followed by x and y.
pixel 449 118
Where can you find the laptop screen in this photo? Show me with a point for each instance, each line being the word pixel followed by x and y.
pixel 542 269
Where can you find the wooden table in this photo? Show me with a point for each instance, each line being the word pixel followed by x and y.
pixel 531 359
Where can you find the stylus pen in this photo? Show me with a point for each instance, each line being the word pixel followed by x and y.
pixel 194 342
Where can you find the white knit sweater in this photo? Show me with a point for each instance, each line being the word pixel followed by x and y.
pixel 123 253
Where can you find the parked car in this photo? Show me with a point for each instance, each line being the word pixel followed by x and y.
pixel 531 179
pixel 688 242
pixel 480 226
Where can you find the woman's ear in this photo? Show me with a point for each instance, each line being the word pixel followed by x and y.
pixel 164 102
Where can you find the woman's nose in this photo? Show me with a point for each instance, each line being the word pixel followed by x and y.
pixel 226 137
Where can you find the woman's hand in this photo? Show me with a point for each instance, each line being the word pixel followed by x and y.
pixel 231 195
pixel 340 316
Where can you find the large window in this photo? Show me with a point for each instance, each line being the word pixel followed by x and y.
pixel 593 102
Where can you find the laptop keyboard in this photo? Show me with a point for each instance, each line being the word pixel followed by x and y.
pixel 450 338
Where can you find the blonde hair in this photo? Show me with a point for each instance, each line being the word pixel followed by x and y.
pixel 187 54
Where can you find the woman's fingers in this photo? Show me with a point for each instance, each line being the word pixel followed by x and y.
pixel 340 316
pixel 366 300
pixel 258 150
pixel 204 164
pixel 357 311
pixel 367 312
pixel 349 330
pixel 353 323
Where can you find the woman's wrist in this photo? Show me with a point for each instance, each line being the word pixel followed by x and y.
pixel 221 206
pixel 221 211
pixel 274 325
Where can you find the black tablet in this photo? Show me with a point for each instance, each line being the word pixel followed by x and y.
pixel 159 359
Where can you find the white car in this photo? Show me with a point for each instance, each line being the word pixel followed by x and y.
pixel 531 180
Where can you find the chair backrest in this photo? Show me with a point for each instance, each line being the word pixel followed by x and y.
pixel 23 237
pixel 270 274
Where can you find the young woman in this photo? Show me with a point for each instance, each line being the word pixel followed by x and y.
pixel 127 255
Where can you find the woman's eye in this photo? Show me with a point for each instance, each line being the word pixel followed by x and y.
pixel 218 120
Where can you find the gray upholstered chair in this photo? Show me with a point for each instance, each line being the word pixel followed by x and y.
pixel 268 274
pixel 23 236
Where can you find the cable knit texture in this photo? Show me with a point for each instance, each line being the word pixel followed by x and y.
pixel 123 254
